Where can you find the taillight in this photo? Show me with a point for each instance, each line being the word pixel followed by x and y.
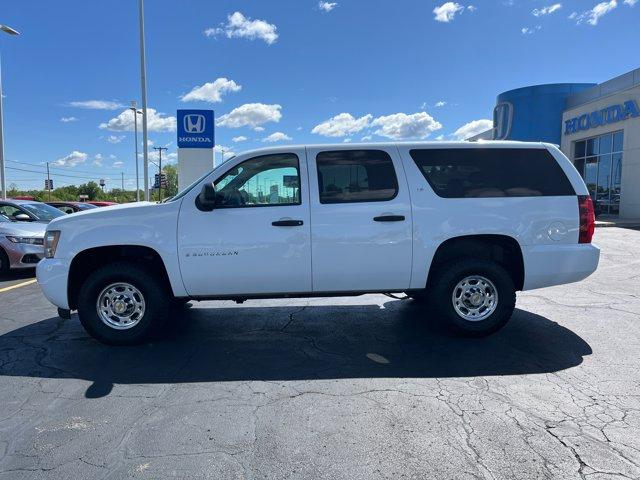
pixel 587 218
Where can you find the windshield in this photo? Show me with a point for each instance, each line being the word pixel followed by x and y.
pixel 85 206
pixel 42 211
pixel 189 188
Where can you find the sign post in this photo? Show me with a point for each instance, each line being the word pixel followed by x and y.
pixel 196 141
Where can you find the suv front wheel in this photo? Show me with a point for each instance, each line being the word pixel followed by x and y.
pixel 122 304
pixel 475 297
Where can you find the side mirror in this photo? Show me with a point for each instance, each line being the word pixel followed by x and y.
pixel 206 201
pixel 22 217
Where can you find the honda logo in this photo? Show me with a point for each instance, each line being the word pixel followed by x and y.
pixel 194 123
pixel 502 121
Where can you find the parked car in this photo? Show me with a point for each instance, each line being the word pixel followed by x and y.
pixel 28 211
pixel 103 204
pixel 461 225
pixel 21 244
pixel 72 207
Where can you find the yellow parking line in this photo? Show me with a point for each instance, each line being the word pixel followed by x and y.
pixel 18 285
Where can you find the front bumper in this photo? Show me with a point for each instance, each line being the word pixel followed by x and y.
pixel 547 265
pixel 53 275
pixel 23 255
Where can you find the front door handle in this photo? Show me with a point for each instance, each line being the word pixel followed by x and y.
pixel 287 223
pixel 389 218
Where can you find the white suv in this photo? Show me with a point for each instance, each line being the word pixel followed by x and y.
pixel 461 225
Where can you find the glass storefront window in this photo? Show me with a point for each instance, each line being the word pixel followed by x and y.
pixel 599 161
pixel 605 144
pixel 617 142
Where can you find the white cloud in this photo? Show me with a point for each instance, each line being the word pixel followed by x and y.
pixel 548 10
pixel 472 8
pixel 250 115
pixel 327 6
pixel 530 30
pixel 240 138
pixel 447 11
pixel 68 119
pixel 115 138
pixel 97 104
pixel 401 126
pixel 631 3
pixel 239 26
pixel 156 122
pixel 258 129
pixel 277 137
pixel 97 160
pixel 346 140
pixel 593 16
pixel 212 91
pixel 439 138
pixel 472 128
pixel 366 138
pixel 440 104
pixel 342 125
pixel 71 160
pixel 118 164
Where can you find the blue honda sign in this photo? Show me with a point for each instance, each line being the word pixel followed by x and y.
pixel 195 129
pixel 605 116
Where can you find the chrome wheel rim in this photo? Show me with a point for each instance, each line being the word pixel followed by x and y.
pixel 475 298
pixel 120 306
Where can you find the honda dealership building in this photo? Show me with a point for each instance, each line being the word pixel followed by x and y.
pixel 596 125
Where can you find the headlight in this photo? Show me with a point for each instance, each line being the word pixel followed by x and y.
pixel 51 243
pixel 28 240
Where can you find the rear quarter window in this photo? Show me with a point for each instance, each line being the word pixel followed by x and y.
pixel 492 172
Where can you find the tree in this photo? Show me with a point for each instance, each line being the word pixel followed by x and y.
pixel 91 189
pixel 172 180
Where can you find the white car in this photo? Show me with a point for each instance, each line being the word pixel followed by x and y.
pixel 21 244
pixel 461 225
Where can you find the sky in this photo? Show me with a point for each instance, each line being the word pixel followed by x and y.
pixel 278 72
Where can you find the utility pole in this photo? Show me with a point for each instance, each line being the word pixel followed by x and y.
pixel 122 177
pixel 48 181
pixel 159 149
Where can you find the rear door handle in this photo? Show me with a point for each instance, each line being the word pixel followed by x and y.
pixel 287 223
pixel 389 218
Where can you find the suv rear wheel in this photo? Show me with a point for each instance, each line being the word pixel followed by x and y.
pixel 122 304
pixel 475 297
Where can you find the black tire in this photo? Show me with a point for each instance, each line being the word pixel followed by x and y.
pixel 156 295
pixel 448 278
pixel 4 263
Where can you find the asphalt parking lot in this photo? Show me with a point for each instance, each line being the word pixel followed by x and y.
pixel 356 388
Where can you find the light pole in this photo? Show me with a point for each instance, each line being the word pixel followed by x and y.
pixel 136 112
pixel 3 186
pixel 143 84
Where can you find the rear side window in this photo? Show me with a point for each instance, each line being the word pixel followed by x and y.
pixel 347 176
pixel 492 172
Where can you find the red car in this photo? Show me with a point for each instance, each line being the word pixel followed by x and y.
pixel 103 204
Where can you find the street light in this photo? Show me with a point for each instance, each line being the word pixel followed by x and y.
pixel 3 187
pixel 143 85
pixel 136 112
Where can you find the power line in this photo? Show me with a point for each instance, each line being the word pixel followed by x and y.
pixel 54 174
pixel 115 175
